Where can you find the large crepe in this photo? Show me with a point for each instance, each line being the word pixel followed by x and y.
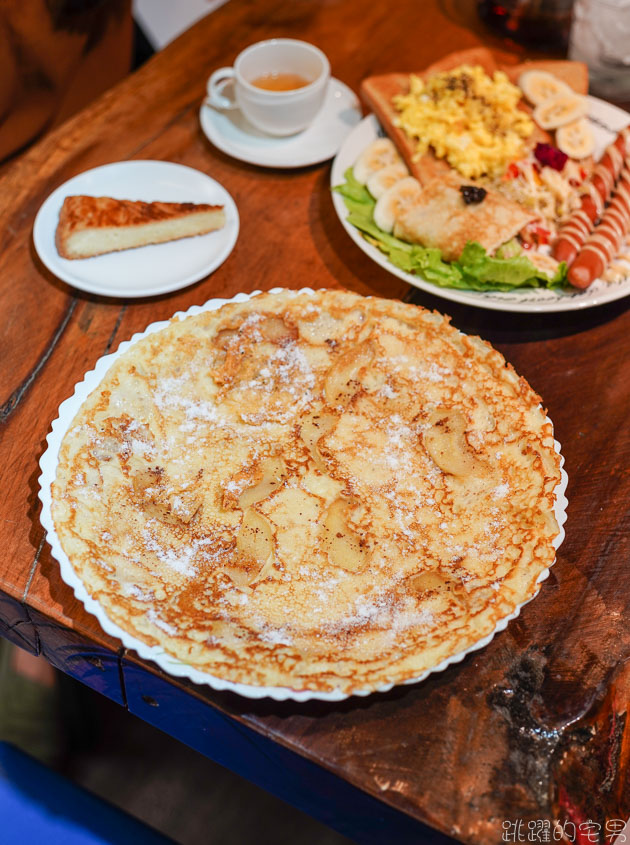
pixel 315 491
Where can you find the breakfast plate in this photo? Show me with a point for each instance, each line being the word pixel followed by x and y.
pixel 148 270
pixel 230 132
pixel 606 121
pixel 131 586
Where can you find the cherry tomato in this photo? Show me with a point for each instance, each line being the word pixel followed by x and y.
pixel 541 235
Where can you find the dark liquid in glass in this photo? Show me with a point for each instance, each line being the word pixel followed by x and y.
pixel 544 25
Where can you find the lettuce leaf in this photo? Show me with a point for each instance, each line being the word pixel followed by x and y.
pixel 474 270
pixel 480 269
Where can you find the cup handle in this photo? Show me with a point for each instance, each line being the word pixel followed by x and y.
pixel 217 82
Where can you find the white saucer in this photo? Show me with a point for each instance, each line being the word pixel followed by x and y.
pixel 234 135
pixel 148 270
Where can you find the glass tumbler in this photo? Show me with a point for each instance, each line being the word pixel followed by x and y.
pixel 600 36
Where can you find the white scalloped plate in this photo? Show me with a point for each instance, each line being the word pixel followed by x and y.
pixel 169 664
pixel 606 121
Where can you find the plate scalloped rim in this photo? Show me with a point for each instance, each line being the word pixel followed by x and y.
pixel 169 664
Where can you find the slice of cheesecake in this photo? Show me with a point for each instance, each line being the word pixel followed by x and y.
pixel 91 226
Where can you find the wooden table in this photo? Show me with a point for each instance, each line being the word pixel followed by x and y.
pixel 533 728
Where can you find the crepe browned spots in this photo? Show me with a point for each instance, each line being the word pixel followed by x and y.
pixel 315 491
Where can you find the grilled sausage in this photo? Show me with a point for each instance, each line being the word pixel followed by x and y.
pixel 597 191
pixel 607 238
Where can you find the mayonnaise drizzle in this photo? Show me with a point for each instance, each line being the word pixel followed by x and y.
pixel 608 238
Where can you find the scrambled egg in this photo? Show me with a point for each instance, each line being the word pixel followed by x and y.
pixel 468 118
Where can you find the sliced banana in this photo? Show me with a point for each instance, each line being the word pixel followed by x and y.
pixel 576 139
pixel 560 110
pixel 376 156
pixel 382 180
pixel 539 85
pixel 394 201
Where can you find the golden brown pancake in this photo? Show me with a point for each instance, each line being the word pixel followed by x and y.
pixel 322 492
pixel 440 218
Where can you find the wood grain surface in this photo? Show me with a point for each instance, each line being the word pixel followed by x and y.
pixel 535 727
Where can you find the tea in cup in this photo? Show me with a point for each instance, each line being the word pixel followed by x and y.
pixel 279 85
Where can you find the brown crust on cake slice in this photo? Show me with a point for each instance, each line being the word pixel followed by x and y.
pixel 90 226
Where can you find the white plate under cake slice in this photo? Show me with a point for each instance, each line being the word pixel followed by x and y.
pixel 156 268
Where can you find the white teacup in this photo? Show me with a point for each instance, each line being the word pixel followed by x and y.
pixel 277 112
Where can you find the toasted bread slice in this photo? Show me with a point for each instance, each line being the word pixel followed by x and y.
pixel 90 226
pixel 379 91
pixel 574 74
pixel 473 56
